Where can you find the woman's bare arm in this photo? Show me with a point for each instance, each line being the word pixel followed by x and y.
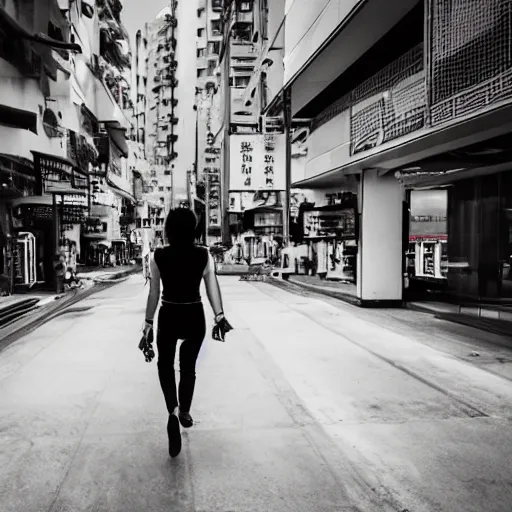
pixel 212 286
pixel 154 290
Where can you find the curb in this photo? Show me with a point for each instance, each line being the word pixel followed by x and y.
pixel 291 284
pixel 456 318
pixel 51 310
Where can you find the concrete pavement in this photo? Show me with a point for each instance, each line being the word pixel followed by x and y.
pixel 310 405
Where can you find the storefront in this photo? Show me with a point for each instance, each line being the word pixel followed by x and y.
pixel 43 223
pixel 427 253
pixel 256 226
pixel 471 249
pixel 480 237
pixel 330 234
pixel 16 180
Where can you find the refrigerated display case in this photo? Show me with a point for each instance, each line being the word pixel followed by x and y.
pixel 24 260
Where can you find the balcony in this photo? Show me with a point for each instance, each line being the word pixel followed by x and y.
pixel 244 18
pixel 173 120
pixel 240 50
pixel 244 118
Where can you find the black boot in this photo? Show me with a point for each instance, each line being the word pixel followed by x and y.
pixel 174 435
pixel 185 419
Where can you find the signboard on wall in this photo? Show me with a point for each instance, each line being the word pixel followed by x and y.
pixel 429 209
pixel 241 201
pixel 321 223
pixel 257 162
pixel 56 174
pixel 79 200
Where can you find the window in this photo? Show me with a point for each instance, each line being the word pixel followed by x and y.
pixel 201 52
pixel 214 48
pixel 201 73
pixel 212 64
pixel 200 32
pixel 200 12
pixel 245 6
pixel 168 189
pixel 167 173
pixel 160 189
pixel 239 81
pixel 216 28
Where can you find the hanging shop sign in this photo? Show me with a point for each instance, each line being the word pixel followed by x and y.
pixel 78 200
pixel 30 214
pixel 257 162
pixel 213 196
pixel 55 174
pixel 325 223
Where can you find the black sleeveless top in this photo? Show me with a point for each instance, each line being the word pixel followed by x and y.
pixel 181 270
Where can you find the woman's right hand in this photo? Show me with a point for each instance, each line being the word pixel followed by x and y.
pixel 221 327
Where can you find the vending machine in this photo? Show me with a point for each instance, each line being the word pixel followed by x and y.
pixel 24 260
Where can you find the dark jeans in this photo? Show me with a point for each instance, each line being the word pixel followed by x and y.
pixel 179 322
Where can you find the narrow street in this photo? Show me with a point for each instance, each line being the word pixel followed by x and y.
pixel 310 405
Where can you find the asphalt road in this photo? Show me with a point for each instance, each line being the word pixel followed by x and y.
pixel 310 405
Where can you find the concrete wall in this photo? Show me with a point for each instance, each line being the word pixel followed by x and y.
pixel 308 25
pixel 329 145
pixel 380 251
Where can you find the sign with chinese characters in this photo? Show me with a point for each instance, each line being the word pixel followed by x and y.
pixel 212 175
pixel 80 200
pixel 257 162
pixel 55 174
pixel 214 197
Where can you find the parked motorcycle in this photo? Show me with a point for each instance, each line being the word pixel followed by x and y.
pixel 71 280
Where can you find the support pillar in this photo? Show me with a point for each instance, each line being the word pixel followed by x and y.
pixel 380 255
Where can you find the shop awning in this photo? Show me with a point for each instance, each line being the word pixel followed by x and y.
pixel 118 137
pixel 97 239
pixel 265 209
pixel 121 192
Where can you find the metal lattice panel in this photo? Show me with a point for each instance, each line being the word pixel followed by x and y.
pixel 471 56
pixel 391 104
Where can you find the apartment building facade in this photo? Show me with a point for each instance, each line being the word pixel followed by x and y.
pixel 63 127
pixel 164 110
pixel 242 210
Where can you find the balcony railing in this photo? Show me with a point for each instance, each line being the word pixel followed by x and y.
pixel 243 51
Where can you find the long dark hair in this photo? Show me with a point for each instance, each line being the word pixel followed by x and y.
pixel 180 226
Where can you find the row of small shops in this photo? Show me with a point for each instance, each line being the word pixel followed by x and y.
pixel 58 211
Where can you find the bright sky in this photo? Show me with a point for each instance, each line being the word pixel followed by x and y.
pixel 138 12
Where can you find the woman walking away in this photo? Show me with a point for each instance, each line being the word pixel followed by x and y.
pixel 180 266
